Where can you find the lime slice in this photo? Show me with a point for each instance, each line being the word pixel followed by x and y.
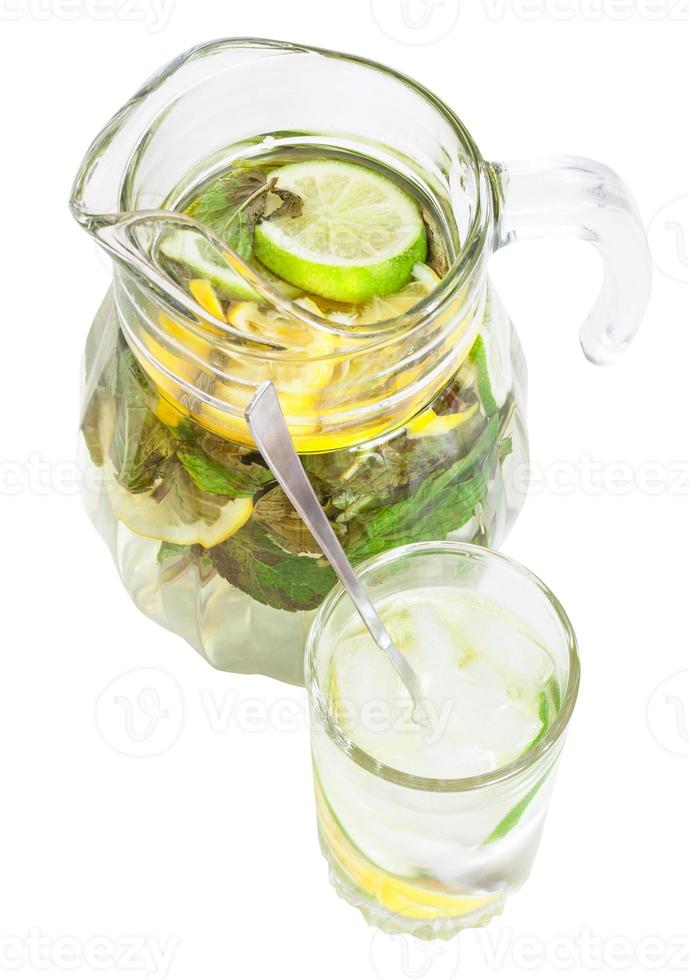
pixel 187 249
pixel 358 236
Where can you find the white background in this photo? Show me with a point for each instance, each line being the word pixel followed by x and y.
pixel 208 850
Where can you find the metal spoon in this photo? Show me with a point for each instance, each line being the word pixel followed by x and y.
pixel 271 435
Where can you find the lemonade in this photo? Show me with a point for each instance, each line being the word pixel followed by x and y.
pixel 489 688
pixel 428 828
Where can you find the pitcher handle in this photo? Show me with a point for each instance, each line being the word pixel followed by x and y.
pixel 585 199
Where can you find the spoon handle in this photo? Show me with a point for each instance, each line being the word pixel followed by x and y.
pixel 271 435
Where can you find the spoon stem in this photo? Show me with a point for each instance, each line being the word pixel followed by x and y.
pixel 272 437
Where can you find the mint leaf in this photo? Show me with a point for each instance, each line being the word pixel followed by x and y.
pixel 101 395
pixel 485 390
pixel 291 205
pixel 555 693
pixel 140 443
pixel 505 449
pixel 168 550
pixel 481 453
pixel 357 478
pixel 511 819
pixel 544 718
pixel 256 559
pixel 252 562
pixel 437 251
pixel 189 503
pixel 283 525
pixel 442 504
pixel 548 707
pixel 230 479
pixel 232 205
pixel 187 431
pixel 90 427
pixel 361 480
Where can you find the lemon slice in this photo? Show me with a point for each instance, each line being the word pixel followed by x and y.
pixel 162 522
pixel 413 900
pixel 168 413
pixel 424 281
pixel 204 294
pixel 430 424
pixel 358 234
pixel 299 385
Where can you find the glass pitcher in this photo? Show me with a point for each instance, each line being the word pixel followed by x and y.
pixel 408 415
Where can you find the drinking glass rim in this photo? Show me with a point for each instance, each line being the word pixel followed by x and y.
pixel 432 784
pixel 464 262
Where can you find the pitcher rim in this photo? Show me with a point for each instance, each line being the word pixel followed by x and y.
pixel 463 263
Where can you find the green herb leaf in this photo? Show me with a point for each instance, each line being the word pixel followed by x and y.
pixel 291 207
pixel 266 557
pixel 485 390
pixel 544 718
pixel 360 481
pixel 278 518
pixel 233 478
pixel 482 452
pixel 232 205
pixel 91 430
pixel 101 395
pixel 168 550
pixel 358 478
pixel 505 449
pixel 190 503
pixel 548 707
pixel 176 559
pixel 187 431
pixel 511 819
pixel 140 443
pixel 555 694
pixel 437 253
pixel 442 505
pixel 252 562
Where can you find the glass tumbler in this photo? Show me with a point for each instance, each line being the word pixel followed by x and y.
pixel 421 855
